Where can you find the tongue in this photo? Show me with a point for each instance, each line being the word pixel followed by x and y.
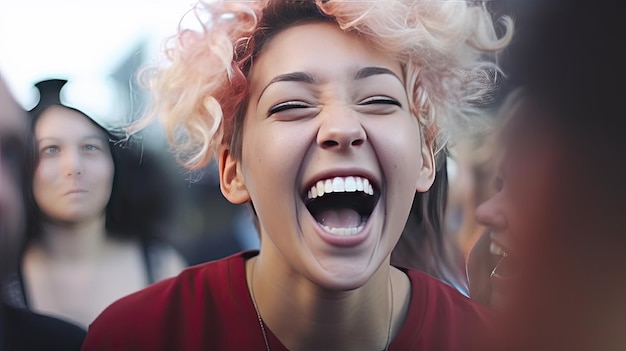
pixel 339 218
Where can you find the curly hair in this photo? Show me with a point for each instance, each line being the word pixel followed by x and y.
pixel 447 50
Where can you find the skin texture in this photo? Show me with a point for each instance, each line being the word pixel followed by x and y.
pixel 334 135
pixel 74 175
pixel 346 126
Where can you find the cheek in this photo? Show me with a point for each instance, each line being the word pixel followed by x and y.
pixel 108 170
pixel 45 174
pixel 398 147
pixel 534 178
pixel 534 202
pixel 103 171
pixel 527 204
pixel 272 154
pixel 273 151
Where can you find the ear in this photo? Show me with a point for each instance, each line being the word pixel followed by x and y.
pixel 231 179
pixel 427 172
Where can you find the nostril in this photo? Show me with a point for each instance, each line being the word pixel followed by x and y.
pixel 330 143
pixel 357 142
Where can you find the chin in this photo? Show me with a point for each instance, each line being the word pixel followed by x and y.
pixel 337 275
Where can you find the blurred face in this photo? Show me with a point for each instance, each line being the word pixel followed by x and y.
pixel 331 155
pixel 12 132
pixel 489 282
pixel 74 175
pixel 519 206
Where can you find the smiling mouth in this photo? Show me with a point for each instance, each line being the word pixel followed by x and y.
pixel 342 205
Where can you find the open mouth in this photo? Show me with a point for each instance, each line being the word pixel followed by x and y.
pixel 342 205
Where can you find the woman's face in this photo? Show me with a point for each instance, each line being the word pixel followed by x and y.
pixel 331 155
pixel 489 262
pixel 514 214
pixel 74 176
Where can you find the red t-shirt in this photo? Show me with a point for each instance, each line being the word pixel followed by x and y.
pixel 207 307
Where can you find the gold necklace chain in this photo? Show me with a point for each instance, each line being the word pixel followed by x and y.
pixel 262 325
pixel 256 308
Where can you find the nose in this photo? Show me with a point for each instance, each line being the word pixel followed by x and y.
pixel 73 164
pixel 341 129
pixel 490 214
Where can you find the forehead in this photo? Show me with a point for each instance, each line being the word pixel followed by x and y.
pixel 321 48
pixel 58 120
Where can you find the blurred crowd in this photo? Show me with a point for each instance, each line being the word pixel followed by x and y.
pixel 529 221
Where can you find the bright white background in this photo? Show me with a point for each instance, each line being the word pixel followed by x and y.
pixel 84 41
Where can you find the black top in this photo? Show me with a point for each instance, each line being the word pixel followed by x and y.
pixel 24 330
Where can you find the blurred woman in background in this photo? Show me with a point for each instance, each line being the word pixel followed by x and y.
pixel 94 217
pixel 562 192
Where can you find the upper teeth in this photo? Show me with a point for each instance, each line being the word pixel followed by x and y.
pixel 340 185
pixel 496 249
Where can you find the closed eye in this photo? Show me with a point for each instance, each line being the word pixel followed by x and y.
pixel 381 99
pixel 288 105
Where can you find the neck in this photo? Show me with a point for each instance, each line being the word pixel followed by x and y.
pixel 74 241
pixel 304 317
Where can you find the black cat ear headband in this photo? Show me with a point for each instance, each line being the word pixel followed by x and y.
pixel 50 95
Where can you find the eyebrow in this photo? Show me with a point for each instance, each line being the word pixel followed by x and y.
pixel 308 78
pixel 290 77
pixel 372 71
pixel 87 137
pixel 294 77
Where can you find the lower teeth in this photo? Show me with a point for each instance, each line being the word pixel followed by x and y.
pixel 343 231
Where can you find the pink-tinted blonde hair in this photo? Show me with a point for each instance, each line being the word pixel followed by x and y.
pixel 446 49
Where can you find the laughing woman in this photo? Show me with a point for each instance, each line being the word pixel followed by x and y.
pixel 325 117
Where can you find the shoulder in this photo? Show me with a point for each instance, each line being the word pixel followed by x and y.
pixel 443 318
pixel 432 292
pixel 26 330
pixel 164 307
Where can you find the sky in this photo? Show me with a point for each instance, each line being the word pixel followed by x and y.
pixel 80 40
